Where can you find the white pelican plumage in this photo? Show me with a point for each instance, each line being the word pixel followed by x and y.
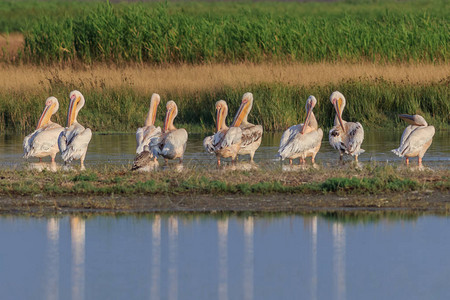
pixel 74 139
pixel 172 142
pixel 44 140
pixel 226 142
pixel 251 134
pixel 302 140
pixel 346 137
pixel 149 131
pixel 416 139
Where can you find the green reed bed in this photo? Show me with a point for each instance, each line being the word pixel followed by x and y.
pixel 371 179
pixel 157 34
pixel 374 104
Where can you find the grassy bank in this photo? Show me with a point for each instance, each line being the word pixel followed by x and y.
pixel 276 105
pixel 252 32
pixel 372 179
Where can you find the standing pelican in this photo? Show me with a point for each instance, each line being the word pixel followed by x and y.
pixel 172 142
pixel 416 139
pixel 251 134
pixel 302 140
pixel 74 139
pixel 149 131
pixel 346 137
pixel 44 140
pixel 226 142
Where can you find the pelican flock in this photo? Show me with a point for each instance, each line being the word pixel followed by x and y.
pixel 226 142
pixel 44 140
pixel 172 142
pixel 302 140
pixel 241 138
pixel 74 139
pixel 145 134
pixel 416 138
pixel 346 137
pixel 251 134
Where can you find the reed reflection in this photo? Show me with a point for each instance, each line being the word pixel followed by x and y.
pixel 248 257
pixel 52 272
pixel 339 260
pixel 173 250
pixel 222 228
pixel 156 258
pixel 77 232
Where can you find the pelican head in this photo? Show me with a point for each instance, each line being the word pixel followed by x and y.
pixel 172 111
pixel 76 103
pixel 310 103
pixel 338 101
pixel 151 117
pixel 51 107
pixel 222 112
pixel 414 119
pixel 244 110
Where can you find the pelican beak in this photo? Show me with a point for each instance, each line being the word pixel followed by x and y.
pixel 337 107
pixel 219 118
pixel 72 110
pixel 408 118
pixel 242 112
pixel 167 121
pixel 308 115
pixel 155 107
pixel 46 115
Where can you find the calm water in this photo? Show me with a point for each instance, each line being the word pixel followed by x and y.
pixel 205 257
pixel 120 149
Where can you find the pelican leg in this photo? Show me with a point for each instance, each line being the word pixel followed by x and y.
pixel 290 162
pixel 40 159
pixel 356 158
pixel 420 161
pixel 313 158
pixel 155 159
pixel 166 161
pixel 407 161
pixel 181 160
pixel 341 155
pixel 218 161
pixel 251 157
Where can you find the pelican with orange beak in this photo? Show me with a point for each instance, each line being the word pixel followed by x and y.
pixel 172 142
pixel 149 131
pixel 346 137
pixel 302 140
pixel 416 139
pixel 251 134
pixel 44 140
pixel 226 142
pixel 74 139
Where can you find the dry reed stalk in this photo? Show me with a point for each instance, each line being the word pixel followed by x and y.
pixel 10 45
pixel 184 79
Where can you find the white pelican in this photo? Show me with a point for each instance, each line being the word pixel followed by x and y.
pixel 44 140
pixel 251 134
pixel 302 140
pixel 226 142
pixel 416 139
pixel 74 139
pixel 346 137
pixel 149 131
pixel 172 142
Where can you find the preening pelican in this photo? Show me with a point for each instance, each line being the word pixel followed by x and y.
pixel 74 139
pixel 416 139
pixel 44 140
pixel 302 140
pixel 172 142
pixel 149 131
pixel 251 134
pixel 226 142
pixel 346 137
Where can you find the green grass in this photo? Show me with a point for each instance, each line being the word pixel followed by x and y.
pixel 410 31
pixel 374 104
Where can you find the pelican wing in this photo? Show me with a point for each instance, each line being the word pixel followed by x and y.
pixel 208 144
pixel 355 137
pixel 141 160
pixel 288 135
pixel 301 143
pixel 251 135
pixel 144 136
pixel 28 143
pixel 232 136
pixel 335 137
pixel 415 140
pixel 174 144
pixel 44 141
pixel 74 143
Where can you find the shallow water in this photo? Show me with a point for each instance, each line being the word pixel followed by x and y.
pixel 225 257
pixel 120 149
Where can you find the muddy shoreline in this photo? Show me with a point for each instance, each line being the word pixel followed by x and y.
pixel 436 202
